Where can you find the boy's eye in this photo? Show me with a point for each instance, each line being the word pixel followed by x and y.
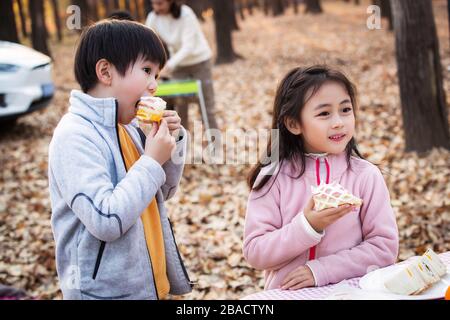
pixel 147 70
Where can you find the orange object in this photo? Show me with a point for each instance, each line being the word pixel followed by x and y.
pixel 447 293
pixel 148 115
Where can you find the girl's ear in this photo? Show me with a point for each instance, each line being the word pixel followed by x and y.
pixel 293 126
pixel 103 71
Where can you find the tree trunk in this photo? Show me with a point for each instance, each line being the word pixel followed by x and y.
pixel 197 7
pixel 266 7
pixel 84 8
pixel 92 14
pixel 147 7
pixel 448 16
pixel 232 15
pixel 240 7
pixel 223 27
pixel 38 28
pixel 295 4
pixel 277 7
pixel 313 6
pixel 8 29
pixel 23 21
pixel 57 19
pixel 424 109
pixel 137 10
pixel 128 6
pixel 250 6
pixel 109 7
pixel 386 11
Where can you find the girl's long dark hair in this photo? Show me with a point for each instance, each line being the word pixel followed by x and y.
pixel 294 91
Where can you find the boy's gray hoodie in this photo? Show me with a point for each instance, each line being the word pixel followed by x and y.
pixel 101 252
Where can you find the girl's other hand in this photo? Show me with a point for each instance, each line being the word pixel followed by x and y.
pixel 301 277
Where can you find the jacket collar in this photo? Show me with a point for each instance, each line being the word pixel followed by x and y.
pixel 98 110
pixel 337 164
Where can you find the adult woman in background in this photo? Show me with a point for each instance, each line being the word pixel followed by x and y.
pixel 190 54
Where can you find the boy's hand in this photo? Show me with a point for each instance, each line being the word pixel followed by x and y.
pixel 173 122
pixel 159 144
pixel 301 277
pixel 319 220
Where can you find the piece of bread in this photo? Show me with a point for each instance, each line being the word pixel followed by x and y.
pixel 332 195
pixel 150 109
pixel 418 275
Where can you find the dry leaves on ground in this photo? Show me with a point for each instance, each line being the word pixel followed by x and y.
pixel 209 209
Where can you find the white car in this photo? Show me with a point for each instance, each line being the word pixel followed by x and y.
pixel 25 80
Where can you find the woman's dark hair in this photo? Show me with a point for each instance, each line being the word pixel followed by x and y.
pixel 121 42
pixel 175 8
pixel 296 88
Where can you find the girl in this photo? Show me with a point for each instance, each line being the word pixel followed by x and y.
pixel 314 112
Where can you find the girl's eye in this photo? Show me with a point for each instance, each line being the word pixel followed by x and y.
pixel 347 109
pixel 323 114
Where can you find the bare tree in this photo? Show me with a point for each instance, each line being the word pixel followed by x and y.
pixel 448 16
pixel 8 29
pixel 23 21
pixel 232 13
pixel 147 7
pixel 386 11
pixel 313 6
pixel 223 27
pixel 197 6
pixel 137 10
pixel 109 6
pixel 266 7
pixel 38 28
pixel 424 108
pixel 277 7
pixel 57 19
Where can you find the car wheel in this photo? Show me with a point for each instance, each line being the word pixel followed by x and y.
pixel 6 124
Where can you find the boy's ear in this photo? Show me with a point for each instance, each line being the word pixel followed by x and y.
pixel 293 126
pixel 103 71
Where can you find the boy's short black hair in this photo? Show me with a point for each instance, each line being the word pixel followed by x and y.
pixel 120 42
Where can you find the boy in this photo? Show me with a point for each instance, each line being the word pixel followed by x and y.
pixel 107 187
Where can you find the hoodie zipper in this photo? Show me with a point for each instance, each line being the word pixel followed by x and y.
pixel 312 250
pixel 103 243
pixel 123 159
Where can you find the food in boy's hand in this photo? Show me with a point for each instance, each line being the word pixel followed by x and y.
pixel 332 195
pixel 150 109
pixel 418 275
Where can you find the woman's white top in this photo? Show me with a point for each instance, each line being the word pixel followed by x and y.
pixel 183 36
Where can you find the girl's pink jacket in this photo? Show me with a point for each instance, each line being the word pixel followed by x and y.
pixel 278 238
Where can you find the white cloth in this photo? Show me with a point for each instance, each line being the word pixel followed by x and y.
pixel 183 36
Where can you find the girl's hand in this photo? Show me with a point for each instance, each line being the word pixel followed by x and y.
pixel 319 220
pixel 173 122
pixel 301 277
